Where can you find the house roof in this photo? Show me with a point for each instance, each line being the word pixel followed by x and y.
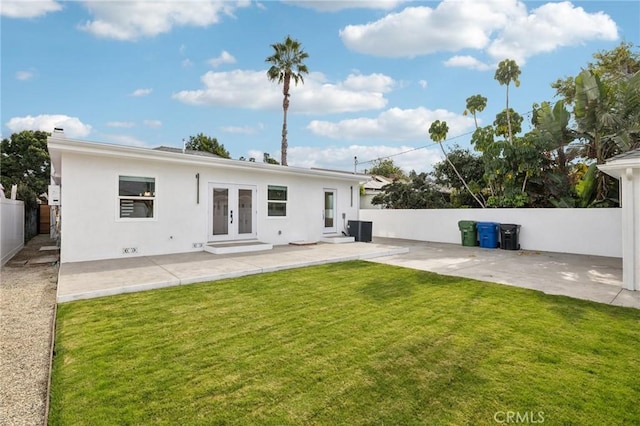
pixel 58 144
pixel 185 151
pixel 377 182
pixel 617 166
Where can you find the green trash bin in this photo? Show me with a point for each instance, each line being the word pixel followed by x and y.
pixel 468 233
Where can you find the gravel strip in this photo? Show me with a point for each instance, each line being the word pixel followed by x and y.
pixel 27 305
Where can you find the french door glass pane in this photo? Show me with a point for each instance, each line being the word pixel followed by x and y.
pixel 245 211
pixel 220 211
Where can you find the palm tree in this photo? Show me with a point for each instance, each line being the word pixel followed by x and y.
pixel 286 64
pixel 438 132
pixel 507 72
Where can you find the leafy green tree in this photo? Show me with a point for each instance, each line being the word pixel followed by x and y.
pixel 475 104
pixel 416 193
pixel 551 127
pixel 387 168
pixel 508 121
pixel 610 65
pixel 471 168
pixel 269 159
pixel 287 63
pixel 438 133
pixel 508 72
pixel 26 162
pixel 202 142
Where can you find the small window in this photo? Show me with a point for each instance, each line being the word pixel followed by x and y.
pixel 136 197
pixel 276 200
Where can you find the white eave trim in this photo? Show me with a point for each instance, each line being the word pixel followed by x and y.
pixel 65 145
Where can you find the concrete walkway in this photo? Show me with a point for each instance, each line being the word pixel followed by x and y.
pixel 84 280
pixel 584 277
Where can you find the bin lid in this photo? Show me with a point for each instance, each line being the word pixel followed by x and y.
pixel 466 224
pixel 487 225
pixel 510 226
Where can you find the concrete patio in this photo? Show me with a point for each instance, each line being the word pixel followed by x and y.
pixel 592 278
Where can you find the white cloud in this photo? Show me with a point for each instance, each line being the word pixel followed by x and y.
pixel 186 63
pixel 251 89
pixel 421 30
pixel 342 158
pixel 126 140
pixel 423 84
pixel 28 9
pixel 152 123
pixel 132 20
pixel 394 124
pixel 25 75
pixel 467 61
pixel 121 124
pixel 498 28
pixel 549 27
pixel 335 6
pixel 72 126
pixel 141 92
pixel 224 58
pixel 244 130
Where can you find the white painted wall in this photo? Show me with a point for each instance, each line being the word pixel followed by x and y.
pixel 12 228
pixel 580 231
pixel 91 230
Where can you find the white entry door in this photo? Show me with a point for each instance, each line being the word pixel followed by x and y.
pixel 329 219
pixel 232 212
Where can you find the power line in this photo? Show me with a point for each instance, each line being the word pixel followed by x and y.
pixel 528 113
pixel 414 149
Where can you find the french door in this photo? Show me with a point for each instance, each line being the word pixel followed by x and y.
pixel 232 212
pixel 330 225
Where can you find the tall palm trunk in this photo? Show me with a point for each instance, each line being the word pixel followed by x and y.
pixel 285 108
pixel 509 118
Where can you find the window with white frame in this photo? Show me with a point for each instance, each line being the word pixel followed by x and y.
pixel 136 197
pixel 276 200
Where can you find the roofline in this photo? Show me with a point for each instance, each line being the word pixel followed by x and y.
pixel 58 145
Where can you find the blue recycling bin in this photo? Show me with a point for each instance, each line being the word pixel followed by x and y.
pixel 488 233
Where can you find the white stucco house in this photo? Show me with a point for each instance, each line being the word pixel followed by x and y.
pixel 121 201
pixel 626 168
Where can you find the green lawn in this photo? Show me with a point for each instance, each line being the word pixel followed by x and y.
pixel 351 343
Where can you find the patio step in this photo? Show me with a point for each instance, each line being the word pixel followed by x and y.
pixel 337 239
pixel 230 247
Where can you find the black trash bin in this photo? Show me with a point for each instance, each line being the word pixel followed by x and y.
pixel 509 234
pixel 361 230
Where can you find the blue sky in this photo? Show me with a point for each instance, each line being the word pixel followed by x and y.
pixel 150 73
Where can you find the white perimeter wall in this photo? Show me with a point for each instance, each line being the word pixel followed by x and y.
pixel 12 231
pixel 91 230
pixel 580 231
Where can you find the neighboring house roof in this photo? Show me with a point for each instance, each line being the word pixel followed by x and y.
pixel 58 144
pixel 616 166
pixel 633 154
pixel 377 182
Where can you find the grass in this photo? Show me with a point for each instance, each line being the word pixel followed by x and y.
pixel 352 343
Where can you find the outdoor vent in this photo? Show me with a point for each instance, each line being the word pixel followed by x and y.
pixel 130 250
pixel 197 245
